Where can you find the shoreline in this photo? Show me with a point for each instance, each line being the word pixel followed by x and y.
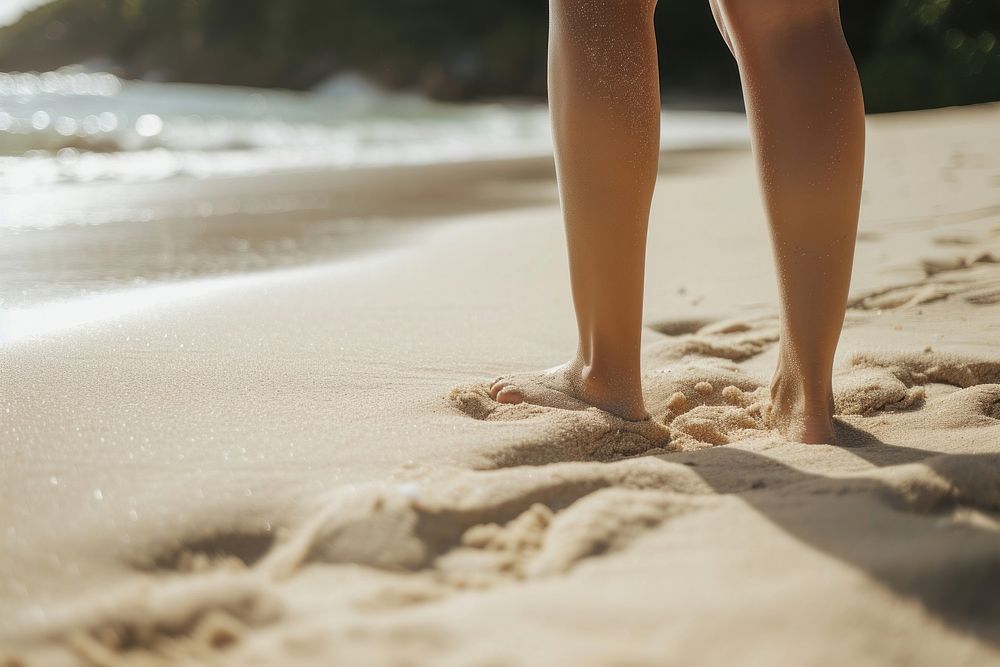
pixel 185 228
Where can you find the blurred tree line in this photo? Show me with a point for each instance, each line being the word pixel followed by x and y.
pixel 912 53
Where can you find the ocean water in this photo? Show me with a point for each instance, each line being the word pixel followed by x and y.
pixel 78 126
pixel 109 186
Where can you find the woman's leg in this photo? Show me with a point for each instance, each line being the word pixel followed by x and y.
pixel 605 103
pixel 808 130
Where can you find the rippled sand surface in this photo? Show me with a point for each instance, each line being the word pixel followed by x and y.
pixel 301 466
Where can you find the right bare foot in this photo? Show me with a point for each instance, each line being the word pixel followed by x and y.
pixel 799 416
pixel 572 386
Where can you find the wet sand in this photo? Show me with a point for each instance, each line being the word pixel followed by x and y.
pixel 301 466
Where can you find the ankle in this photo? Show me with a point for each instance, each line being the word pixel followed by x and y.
pixel 811 380
pixel 801 396
pixel 616 388
pixel 611 374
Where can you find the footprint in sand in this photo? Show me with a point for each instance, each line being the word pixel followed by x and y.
pixel 879 381
pixel 735 340
pixel 680 327
pixel 695 384
pixel 488 528
pixel 543 543
pixel 694 389
pixel 191 615
pixel 550 435
pixel 236 548
pixel 973 276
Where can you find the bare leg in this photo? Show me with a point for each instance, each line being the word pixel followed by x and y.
pixel 807 122
pixel 605 103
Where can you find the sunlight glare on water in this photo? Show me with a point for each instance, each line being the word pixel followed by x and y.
pixel 218 130
pixel 142 131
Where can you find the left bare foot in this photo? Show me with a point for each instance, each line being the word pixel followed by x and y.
pixel 572 386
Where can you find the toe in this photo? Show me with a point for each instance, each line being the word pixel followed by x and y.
pixel 500 384
pixel 509 394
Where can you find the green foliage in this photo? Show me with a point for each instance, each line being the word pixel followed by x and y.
pixel 934 53
pixel 912 53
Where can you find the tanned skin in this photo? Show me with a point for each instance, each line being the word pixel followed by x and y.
pixel 806 116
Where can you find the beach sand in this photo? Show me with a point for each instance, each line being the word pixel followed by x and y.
pixel 302 466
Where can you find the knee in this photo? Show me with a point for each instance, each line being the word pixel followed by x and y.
pixel 762 22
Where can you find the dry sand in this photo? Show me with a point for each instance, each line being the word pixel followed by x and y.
pixel 302 467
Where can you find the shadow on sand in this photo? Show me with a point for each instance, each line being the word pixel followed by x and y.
pixel 901 544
